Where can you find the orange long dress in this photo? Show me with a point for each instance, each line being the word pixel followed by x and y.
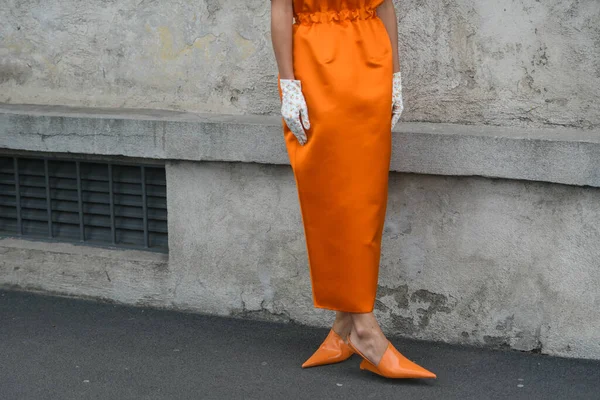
pixel 343 57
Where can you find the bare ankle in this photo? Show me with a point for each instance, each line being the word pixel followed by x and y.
pixel 365 327
pixel 342 324
pixel 343 317
pixel 361 332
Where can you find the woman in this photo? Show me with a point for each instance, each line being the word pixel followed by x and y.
pixel 338 65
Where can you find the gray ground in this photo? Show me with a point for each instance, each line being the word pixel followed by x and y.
pixel 61 348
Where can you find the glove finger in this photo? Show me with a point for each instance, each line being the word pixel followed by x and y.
pixel 302 139
pixel 395 119
pixel 291 118
pixel 398 108
pixel 304 115
pixel 289 123
pixel 296 128
pixel 305 120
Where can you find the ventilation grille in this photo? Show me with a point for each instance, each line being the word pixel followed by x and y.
pixel 95 203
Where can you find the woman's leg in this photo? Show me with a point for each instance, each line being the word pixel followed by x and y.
pixel 366 335
pixel 342 324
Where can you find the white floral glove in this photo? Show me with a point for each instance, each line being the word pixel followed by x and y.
pixel 397 104
pixel 293 106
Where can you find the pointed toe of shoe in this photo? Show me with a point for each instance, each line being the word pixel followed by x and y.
pixel 417 372
pixel 316 360
pixel 332 350
pixel 395 365
pixel 320 357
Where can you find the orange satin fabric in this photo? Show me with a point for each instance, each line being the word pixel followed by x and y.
pixel 343 57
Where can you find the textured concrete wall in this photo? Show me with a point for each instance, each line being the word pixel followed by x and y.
pixel 507 62
pixel 125 276
pixel 467 260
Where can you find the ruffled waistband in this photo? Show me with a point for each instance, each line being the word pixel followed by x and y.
pixel 334 16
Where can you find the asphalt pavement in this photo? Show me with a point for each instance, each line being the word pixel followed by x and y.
pixel 64 348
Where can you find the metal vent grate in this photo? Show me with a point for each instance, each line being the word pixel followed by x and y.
pixel 96 203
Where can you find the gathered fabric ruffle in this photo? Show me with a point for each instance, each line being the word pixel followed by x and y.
pixel 321 17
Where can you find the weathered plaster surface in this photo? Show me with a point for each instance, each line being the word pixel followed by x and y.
pixel 125 276
pixel 496 262
pixel 210 55
pixel 521 62
pixel 502 62
pixel 468 260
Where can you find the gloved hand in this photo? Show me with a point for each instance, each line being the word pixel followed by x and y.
pixel 397 105
pixel 293 107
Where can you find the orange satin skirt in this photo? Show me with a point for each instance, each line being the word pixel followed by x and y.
pixel 341 173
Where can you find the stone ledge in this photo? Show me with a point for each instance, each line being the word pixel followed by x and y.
pixel 561 155
pixel 117 275
pixel 82 249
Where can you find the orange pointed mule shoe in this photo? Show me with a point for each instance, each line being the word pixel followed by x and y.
pixel 332 350
pixel 393 364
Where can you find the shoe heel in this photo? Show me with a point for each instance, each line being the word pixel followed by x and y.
pixel 367 366
pixel 363 364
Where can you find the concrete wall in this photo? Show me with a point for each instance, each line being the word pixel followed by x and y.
pixel 507 62
pixel 507 261
pixel 124 276
pixel 467 260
